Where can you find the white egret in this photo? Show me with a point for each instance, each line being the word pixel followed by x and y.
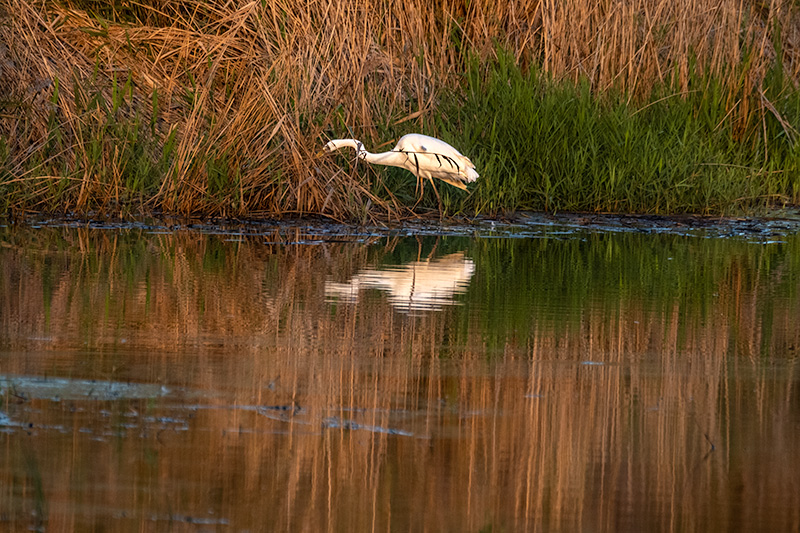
pixel 424 156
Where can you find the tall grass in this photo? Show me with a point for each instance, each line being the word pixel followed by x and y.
pixel 220 108
pixel 547 145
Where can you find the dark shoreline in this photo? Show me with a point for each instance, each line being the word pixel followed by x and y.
pixel 518 225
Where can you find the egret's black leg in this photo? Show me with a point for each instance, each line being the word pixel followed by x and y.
pixel 438 198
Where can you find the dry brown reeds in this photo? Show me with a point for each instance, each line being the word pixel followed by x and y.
pixel 220 108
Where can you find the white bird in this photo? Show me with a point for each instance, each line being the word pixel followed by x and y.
pixel 424 156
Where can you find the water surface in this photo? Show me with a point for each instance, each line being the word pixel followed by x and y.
pixel 558 375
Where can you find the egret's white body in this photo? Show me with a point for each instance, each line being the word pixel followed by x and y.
pixel 426 157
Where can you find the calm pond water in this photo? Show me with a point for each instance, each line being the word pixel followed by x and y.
pixel 560 375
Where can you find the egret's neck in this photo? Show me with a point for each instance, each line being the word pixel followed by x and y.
pixel 395 159
pixel 385 158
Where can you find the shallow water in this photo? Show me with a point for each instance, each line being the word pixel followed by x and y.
pixel 559 374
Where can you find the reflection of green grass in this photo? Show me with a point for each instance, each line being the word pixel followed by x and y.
pixel 406 250
pixel 526 284
pixel 521 287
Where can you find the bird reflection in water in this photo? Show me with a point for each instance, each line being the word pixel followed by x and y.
pixel 415 286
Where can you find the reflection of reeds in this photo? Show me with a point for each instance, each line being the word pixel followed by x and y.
pixel 512 430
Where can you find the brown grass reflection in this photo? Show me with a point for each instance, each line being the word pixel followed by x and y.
pixel 283 411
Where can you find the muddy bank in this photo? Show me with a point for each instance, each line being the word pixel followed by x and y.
pixel 318 229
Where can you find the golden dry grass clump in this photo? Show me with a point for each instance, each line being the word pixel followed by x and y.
pixel 220 108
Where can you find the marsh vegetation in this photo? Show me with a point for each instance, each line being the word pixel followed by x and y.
pixel 220 109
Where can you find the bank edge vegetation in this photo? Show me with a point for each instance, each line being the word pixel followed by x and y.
pixel 221 108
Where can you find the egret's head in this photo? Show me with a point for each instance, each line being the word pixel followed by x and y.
pixel 330 147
